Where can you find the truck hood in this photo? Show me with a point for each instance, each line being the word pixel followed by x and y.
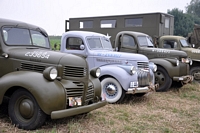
pixel 192 53
pixel 119 55
pixel 45 56
pixel 164 53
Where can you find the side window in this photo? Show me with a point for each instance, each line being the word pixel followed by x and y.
pixel 170 44
pixel 128 41
pixel 74 43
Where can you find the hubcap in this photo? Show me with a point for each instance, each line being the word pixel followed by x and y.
pixel 26 108
pixel 159 78
pixel 111 89
pixel 197 75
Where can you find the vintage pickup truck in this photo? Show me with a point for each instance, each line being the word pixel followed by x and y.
pixel 173 65
pixel 180 43
pixel 121 73
pixel 38 82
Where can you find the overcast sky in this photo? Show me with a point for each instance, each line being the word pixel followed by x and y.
pixel 51 14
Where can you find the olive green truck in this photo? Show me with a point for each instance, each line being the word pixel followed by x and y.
pixel 39 82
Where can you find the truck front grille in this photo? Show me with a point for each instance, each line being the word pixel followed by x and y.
pixel 89 94
pixel 75 92
pixel 143 65
pixel 33 67
pixel 72 71
pixel 143 78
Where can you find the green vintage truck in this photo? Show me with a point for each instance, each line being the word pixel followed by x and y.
pixel 180 43
pixel 39 82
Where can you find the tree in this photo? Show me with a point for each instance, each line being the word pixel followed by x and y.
pixel 183 23
pixel 194 8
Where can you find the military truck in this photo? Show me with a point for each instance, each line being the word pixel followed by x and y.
pixel 38 82
pixel 194 36
pixel 180 43
pixel 121 73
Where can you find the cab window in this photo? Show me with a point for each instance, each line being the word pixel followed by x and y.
pixel 74 43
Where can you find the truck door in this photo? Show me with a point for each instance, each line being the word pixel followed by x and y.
pixel 127 43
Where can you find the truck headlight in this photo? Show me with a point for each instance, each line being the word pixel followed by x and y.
pixel 95 72
pixel 177 62
pixel 50 73
pixel 133 70
pixel 153 66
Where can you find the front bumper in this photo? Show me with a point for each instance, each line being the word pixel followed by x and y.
pixel 145 89
pixel 78 110
pixel 184 79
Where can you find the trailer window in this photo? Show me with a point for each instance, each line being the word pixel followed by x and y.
pixel 108 23
pixel 166 22
pixel 133 22
pixel 86 24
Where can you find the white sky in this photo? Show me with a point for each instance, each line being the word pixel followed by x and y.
pixel 51 14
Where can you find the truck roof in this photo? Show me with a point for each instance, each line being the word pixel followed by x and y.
pixel 84 33
pixel 134 33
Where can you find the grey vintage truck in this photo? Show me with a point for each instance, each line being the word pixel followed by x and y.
pixel 39 82
pixel 180 43
pixel 121 73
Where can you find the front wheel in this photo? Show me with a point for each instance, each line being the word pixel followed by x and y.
pixel 195 72
pixel 162 78
pixel 112 90
pixel 24 111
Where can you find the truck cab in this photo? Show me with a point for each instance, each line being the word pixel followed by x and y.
pixel 173 67
pixel 39 82
pixel 121 73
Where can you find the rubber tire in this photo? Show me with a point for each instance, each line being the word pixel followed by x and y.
pixel 165 84
pixel 35 121
pixel 194 70
pixel 119 96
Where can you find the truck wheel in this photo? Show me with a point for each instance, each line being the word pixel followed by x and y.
pixel 162 78
pixel 24 111
pixel 195 71
pixel 112 90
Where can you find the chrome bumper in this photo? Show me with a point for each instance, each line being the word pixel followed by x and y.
pixel 184 79
pixel 78 110
pixel 145 89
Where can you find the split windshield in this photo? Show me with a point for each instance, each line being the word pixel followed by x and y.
pixel 184 43
pixel 99 43
pixel 145 41
pixel 24 37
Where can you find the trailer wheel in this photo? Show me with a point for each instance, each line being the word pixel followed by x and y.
pixel 24 111
pixel 195 72
pixel 162 78
pixel 112 90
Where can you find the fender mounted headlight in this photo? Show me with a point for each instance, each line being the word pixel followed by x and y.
pixel 153 66
pixel 50 73
pixel 133 70
pixel 177 62
pixel 95 72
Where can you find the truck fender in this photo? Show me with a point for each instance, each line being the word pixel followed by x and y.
pixel 121 75
pixel 50 95
pixel 171 69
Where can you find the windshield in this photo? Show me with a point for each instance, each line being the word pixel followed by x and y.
pixel 99 43
pixel 19 36
pixel 144 41
pixel 184 43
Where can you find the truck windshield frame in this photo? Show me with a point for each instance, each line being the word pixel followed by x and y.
pixel 24 37
pixel 144 41
pixel 99 43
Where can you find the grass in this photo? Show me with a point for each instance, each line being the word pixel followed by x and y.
pixel 175 111
pixel 55 40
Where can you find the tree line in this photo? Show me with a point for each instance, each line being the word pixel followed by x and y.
pixel 184 22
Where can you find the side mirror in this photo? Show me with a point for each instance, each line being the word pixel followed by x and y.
pixel 82 47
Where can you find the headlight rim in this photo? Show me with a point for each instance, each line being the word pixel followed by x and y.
pixel 47 73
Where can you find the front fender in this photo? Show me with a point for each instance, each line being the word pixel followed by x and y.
pixel 50 95
pixel 171 69
pixel 120 74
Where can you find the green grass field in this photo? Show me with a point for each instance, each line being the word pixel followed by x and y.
pixel 55 40
pixel 175 111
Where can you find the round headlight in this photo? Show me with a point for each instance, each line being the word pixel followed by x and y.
pixel 177 62
pixel 154 68
pixel 191 61
pixel 50 73
pixel 53 73
pixel 133 70
pixel 98 72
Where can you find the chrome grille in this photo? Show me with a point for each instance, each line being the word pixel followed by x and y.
pixel 143 65
pixel 143 78
pixel 72 71
pixel 26 66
